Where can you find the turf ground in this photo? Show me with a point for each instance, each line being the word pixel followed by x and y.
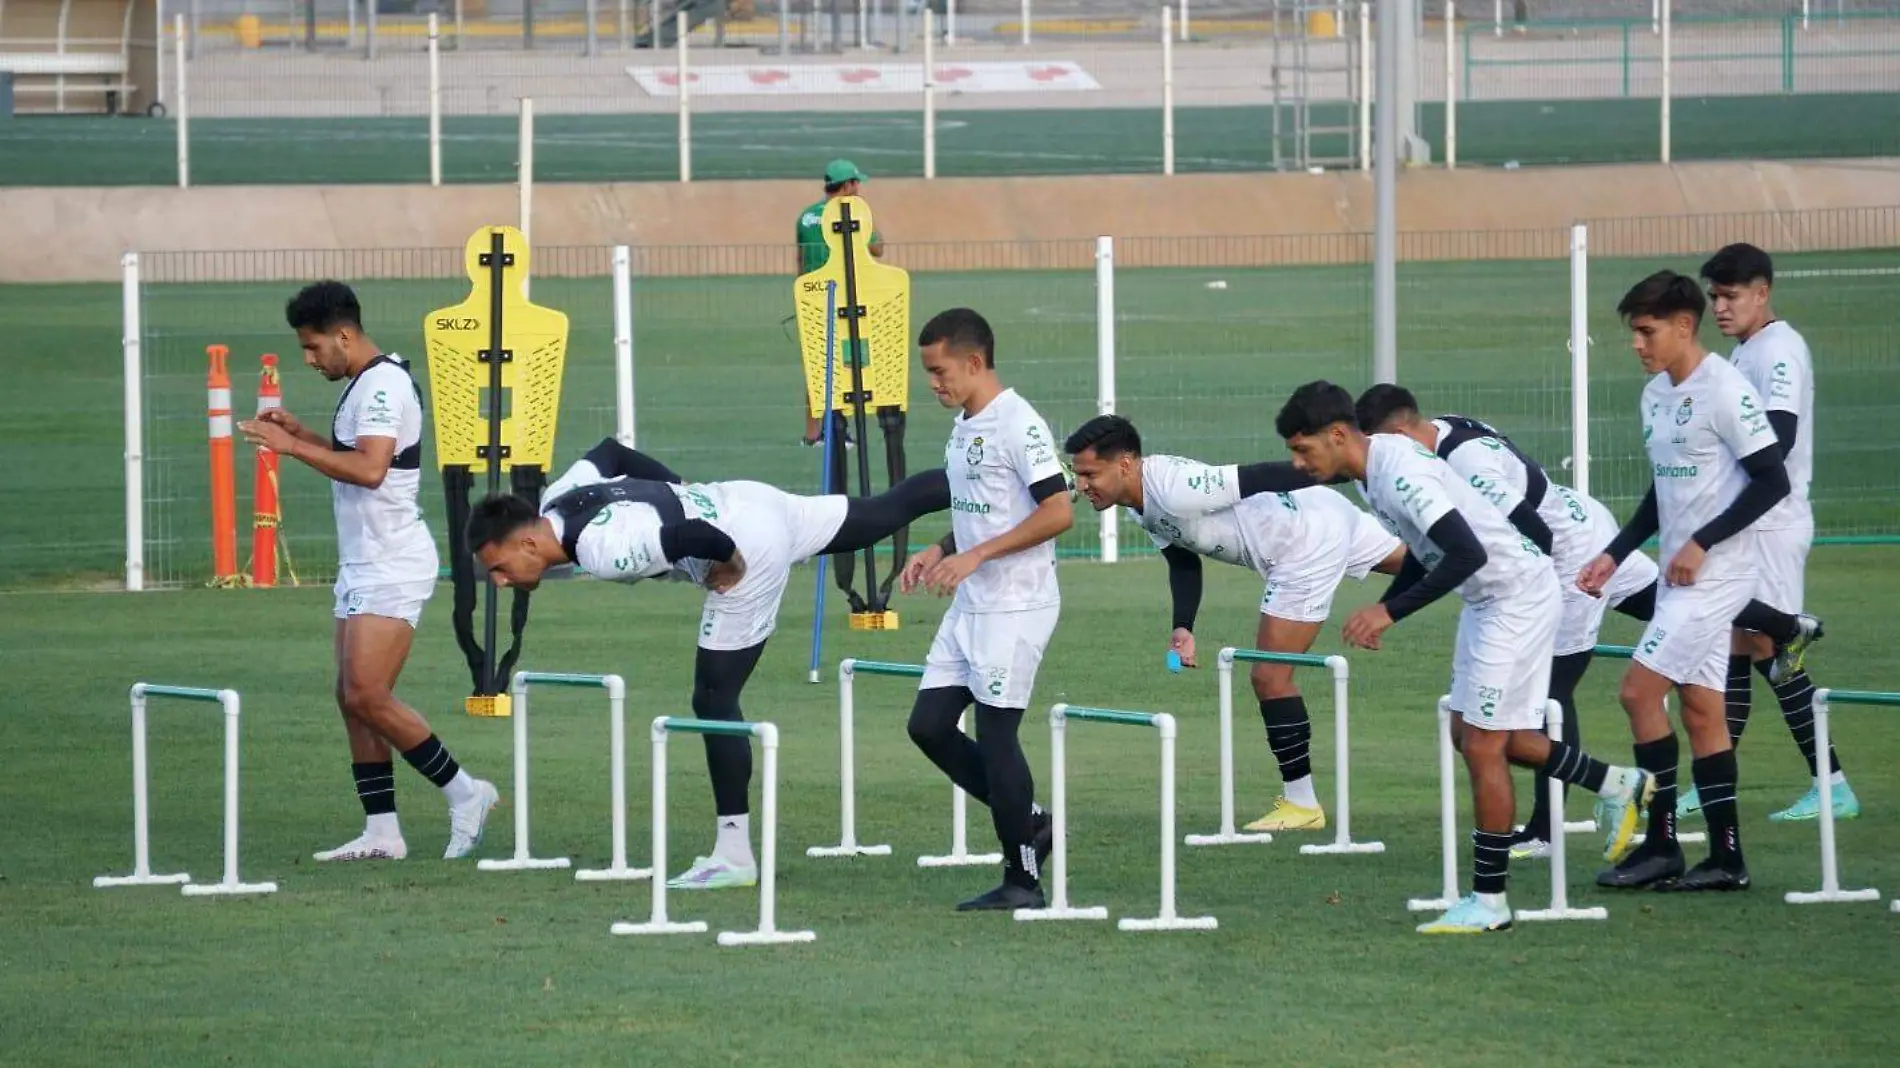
pixel 88 151
pixel 1315 962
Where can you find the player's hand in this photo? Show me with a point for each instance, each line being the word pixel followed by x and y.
pixel 1182 642
pixel 1688 561
pixel 282 418
pixel 948 573
pixel 1362 630
pixel 268 435
pixel 722 576
pixel 1596 574
pixel 917 566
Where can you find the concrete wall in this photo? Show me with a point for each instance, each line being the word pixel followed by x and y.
pixel 79 234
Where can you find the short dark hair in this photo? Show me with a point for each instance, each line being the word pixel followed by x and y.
pixel 1312 408
pixel 1739 264
pixel 1662 295
pixel 324 306
pixel 1109 435
pixel 961 328
pixel 1376 406
pixel 496 519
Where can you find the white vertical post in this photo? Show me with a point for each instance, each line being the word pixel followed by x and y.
pixel 1497 18
pixel 141 787
pixel 459 25
pixel 1447 819
pixel 435 102
pixel 1804 13
pixel 1167 90
pixel 1385 185
pixel 1560 907
pixel 1109 537
pixel 1025 21
pixel 130 342
pixel 525 177
pixel 184 103
pixel 1184 20
pixel 591 12
pixel 1655 16
pixel 228 701
pixel 653 24
pixel 1580 358
pixel 624 427
pixel 369 42
pixel 1451 87
pixel 626 38
pixel 950 23
pixel 1666 77
pixel 686 107
pixel 1365 86
pixel 930 93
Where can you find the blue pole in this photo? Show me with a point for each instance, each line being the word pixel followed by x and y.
pixel 824 472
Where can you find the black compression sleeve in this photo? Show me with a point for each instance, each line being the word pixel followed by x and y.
pixel 1274 477
pixel 1786 425
pixel 1184 584
pixel 696 539
pixel 1767 485
pixel 1048 487
pixel 1410 571
pixel 1463 557
pixel 614 460
pixel 1643 523
pixel 948 543
pixel 1528 523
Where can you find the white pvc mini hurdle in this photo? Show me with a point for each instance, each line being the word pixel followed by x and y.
pixel 142 874
pixel 1167 919
pixel 1831 891
pixel 524 858
pixel 1560 907
pixel 767 932
pixel 1229 833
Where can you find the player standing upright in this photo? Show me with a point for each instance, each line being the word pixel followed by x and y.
pixel 1302 539
pixel 1501 671
pixel 1009 501
pixel 386 565
pixel 1716 469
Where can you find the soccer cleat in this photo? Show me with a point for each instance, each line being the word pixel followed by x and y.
pixel 1287 816
pixel 1688 802
pixel 1846 805
pixel 1469 916
pixel 1530 849
pixel 1006 896
pixel 1634 791
pixel 714 873
pixel 366 847
pixel 1711 874
pixel 1790 658
pixel 1645 867
pixel 469 819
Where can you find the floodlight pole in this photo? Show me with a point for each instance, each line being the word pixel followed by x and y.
pixel 1385 163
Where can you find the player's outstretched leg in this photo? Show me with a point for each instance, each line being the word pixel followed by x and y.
pixel 1795 694
pixel 614 460
pixel 718 677
pixel 1622 793
pixel 1565 673
pixel 869 520
pixel 1289 728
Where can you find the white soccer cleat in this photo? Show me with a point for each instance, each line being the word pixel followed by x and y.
pixel 367 847
pixel 469 819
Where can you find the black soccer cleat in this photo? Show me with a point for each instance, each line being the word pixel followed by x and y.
pixel 1711 874
pixel 1006 897
pixel 1645 867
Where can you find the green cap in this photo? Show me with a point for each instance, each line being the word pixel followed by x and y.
pixel 840 171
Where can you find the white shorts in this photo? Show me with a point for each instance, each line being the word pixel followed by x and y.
pixel 1583 614
pixel 1301 589
pixel 994 654
pixel 773 531
pixel 1688 640
pixel 1500 672
pixel 1782 556
pixel 396 600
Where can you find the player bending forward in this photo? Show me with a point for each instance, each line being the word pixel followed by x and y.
pixel 1302 541
pixel 1501 671
pixel 386 566
pixel 1009 501
pixel 622 516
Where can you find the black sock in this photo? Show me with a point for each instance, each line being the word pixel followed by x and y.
pixel 1795 694
pixel 1740 695
pixel 718 677
pixel 1012 790
pixel 1565 672
pixel 1490 861
pixel 933 727
pixel 433 761
pixel 1782 627
pixel 1715 782
pixel 1289 735
pixel 1659 758
pixel 376 787
pixel 1574 766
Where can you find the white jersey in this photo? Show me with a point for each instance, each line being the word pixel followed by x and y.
pixel 992 459
pixel 1697 434
pixel 1199 507
pixel 380 536
pixel 621 542
pixel 1775 361
pixel 1409 489
pixel 1501 476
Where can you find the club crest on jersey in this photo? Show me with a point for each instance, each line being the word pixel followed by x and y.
pixel 1685 412
pixel 974 454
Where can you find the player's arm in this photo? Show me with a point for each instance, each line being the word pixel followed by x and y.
pixel 366 465
pixel 1642 526
pixel 1787 381
pixel 1053 516
pixel 1464 555
pixel 1420 490
pixel 1184 585
pixel 1487 471
pixel 1767 485
pixel 1410 571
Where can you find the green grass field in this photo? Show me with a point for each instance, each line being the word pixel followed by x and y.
pixel 971 142
pixel 1315 961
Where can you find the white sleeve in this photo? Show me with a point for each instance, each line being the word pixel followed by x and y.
pixel 1189 488
pixel 381 403
pixel 1741 421
pixel 1788 378
pixel 1487 465
pixel 1415 485
pixel 622 544
pixel 1033 454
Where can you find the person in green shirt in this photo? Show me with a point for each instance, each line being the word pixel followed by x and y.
pixel 842 179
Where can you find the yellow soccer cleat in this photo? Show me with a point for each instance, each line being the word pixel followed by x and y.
pixel 1287 816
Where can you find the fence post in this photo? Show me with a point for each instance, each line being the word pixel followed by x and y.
pixel 1167 89
pixel 1105 370
pixel 435 102
pixel 184 104
pixel 130 342
pixel 1580 358
pixel 624 425
pixel 686 107
pixel 1451 87
pixel 1666 6
pixel 930 92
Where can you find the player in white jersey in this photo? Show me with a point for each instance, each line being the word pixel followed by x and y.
pixel 1501 668
pixel 1009 501
pixel 1571 527
pixel 622 516
pixel 1775 639
pixel 1716 469
pixel 1302 538
pixel 386 566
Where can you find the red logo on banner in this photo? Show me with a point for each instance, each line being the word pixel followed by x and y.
pixel 859 76
pixel 1048 74
pixel 767 77
pixel 954 74
pixel 668 77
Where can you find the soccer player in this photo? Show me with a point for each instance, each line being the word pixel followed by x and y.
pixel 1775 636
pixel 1571 527
pixel 842 179
pixel 1009 501
pixel 1716 469
pixel 386 566
pixel 622 516
pixel 1302 541
pixel 1501 671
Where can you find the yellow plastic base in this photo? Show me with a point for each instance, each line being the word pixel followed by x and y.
pixel 489 706
pixel 874 621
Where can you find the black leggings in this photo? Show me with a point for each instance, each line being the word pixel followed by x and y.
pixel 614 460
pixel 718 676
pixel 1565 673
pixel 992 768
pixel 869 520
